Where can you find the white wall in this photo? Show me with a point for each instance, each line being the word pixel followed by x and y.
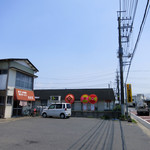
pixel 10 92
pixel 77 106
pixel 11 83
pixel 101 106
pixel 8 112
pixel 23 63
pixel 12 78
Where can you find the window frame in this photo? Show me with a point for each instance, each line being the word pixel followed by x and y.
pixel 58 105
pixel 9 100
pixel 24 81
pixel 51 106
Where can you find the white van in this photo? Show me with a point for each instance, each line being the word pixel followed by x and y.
pixel 62 110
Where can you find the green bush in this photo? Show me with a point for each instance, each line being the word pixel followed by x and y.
pixel 105 117
pixel 117 108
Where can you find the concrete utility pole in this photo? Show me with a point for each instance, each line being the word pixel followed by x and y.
pixel 118 92
pixel 120 52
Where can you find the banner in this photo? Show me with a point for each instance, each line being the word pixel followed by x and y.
pixel 129 93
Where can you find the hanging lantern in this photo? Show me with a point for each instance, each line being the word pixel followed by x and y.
pixel 69 98
pixel 93 99
pixel 84 98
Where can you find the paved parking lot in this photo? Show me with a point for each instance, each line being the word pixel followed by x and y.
pixel 71 134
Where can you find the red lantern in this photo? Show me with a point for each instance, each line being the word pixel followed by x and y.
pixel 93 99
pixel 84 98
pixel 69 98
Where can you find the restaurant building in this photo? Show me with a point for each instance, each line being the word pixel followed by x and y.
pixel 82 100
pixel 16 86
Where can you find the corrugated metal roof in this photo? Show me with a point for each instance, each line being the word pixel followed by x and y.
pixel 23 59
pixel 102 94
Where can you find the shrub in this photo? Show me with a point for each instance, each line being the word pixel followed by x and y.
pixel 117 108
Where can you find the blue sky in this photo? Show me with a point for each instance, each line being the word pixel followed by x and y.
pixel 73 43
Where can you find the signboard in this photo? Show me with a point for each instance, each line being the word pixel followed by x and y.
pixel 93 99
pixel 54 98
pixel 23 95
pixel 129 93
pixel 84 98
pixel 69 98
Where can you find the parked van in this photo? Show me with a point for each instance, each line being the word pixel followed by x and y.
pixel 62 110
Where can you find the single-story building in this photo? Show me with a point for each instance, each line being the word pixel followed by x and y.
pixel 104 98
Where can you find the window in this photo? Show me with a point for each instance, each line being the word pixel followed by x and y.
pixel 9 100
pixel 51 107
pixel 2 100
pixel 43 102
pixel 24 81
pixel 3 71
pixel 68 106
pixel 58 106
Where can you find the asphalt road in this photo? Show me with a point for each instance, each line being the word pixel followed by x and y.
pixel 144 120
pixel 71 134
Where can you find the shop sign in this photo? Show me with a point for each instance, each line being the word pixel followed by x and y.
pixel 24 95
pixel 129 93
pixel 93 99
pixel 84 98
pixel 69 98
pixel 55 98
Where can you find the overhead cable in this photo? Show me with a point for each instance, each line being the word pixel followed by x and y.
pixel 139 35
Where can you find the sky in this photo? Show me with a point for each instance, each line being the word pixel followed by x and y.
pixel 73 43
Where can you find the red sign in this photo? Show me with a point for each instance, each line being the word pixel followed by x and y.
pixel 24 95
pixel 69 98
pixel 93 99
pixel 84 98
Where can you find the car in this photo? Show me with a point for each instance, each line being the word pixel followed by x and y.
pixel 62 110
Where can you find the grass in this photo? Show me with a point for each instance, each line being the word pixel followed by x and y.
pixel 133 121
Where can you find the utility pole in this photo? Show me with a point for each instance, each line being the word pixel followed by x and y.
pixel 120 52
pixel 118 92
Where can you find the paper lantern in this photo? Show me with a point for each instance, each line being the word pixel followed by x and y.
pixel 93 99
pixel 84 98
pixel 69 98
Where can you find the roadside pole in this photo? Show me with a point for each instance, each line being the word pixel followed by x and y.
pixel 120 52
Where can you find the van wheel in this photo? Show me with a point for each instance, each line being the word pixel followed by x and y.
pixel 44 115
pixel 62 116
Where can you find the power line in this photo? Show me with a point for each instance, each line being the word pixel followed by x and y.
pixel 139 35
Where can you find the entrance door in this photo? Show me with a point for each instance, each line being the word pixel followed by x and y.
pixel 17 109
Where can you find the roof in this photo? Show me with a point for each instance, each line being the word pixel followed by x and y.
pixel 24 59
pixel 102 94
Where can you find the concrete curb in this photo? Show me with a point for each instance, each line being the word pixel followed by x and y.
pixel 142 124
